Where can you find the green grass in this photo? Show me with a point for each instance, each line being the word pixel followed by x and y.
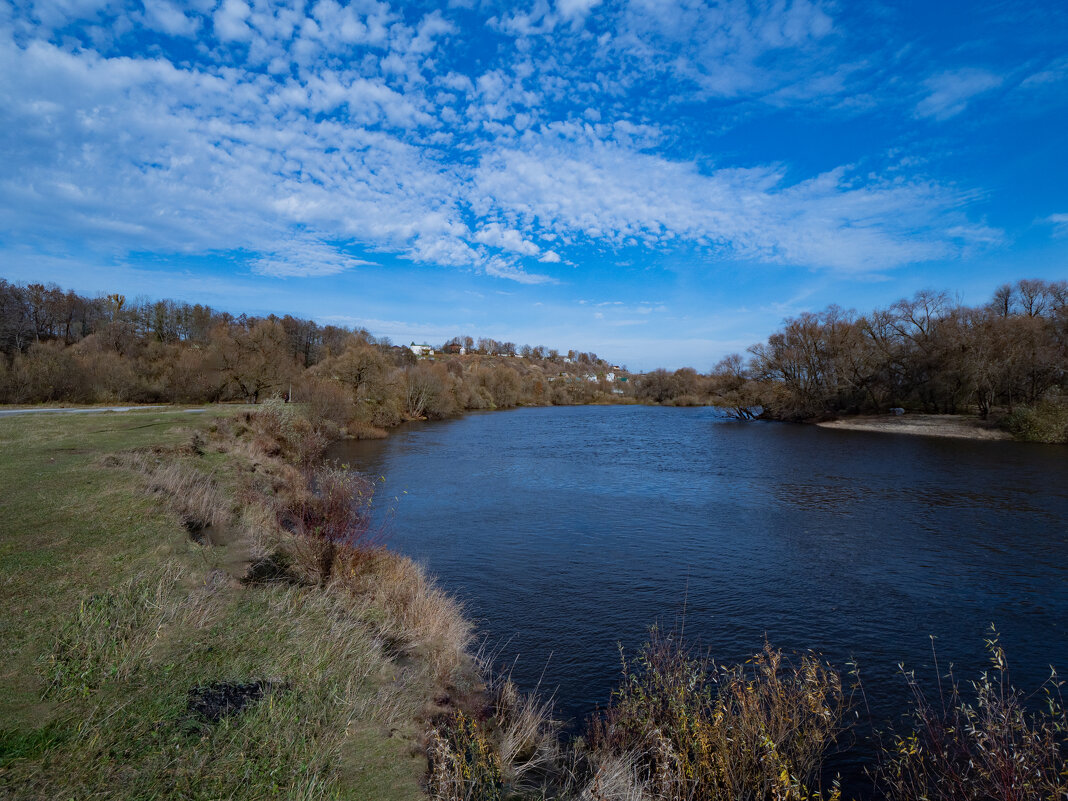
pixel 111 615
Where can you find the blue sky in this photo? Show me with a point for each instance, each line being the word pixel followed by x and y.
pixel 660 181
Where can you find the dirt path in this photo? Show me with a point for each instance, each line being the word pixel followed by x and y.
pixel 958 426
pixel 36 410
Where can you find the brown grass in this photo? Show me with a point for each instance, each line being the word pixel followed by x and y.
pixel 528 737
pixel 192 494
pixel 417 615
pixel 361 430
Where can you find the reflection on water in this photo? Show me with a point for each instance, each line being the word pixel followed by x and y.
pixel 569 530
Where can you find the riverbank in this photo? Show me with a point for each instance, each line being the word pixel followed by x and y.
pixel 175 626
pixel 957 426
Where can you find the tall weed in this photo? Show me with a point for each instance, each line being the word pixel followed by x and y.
pixel 980 743
pixel 752 731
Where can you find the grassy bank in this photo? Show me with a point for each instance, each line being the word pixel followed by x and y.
pixel 165 636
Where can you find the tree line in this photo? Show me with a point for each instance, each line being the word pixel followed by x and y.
pixel 59 346
pixel 927 354
pixel 1005 359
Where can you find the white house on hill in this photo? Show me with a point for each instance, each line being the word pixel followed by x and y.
pixel 421 350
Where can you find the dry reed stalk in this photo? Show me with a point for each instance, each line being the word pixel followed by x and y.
pixel 616 777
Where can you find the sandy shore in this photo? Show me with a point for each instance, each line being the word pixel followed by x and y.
pixel 927 425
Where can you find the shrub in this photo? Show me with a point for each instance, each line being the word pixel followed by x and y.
pixel 329 515
pixel 326 401
pixel 753 731
pixel 986 748
pixel 49 372
pixel 5 381
pixel 382 412
pixel 463 764
pixel 1046 422
pixel 295 437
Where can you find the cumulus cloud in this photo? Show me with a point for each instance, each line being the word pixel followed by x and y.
pixel 231 21
pixel 496 235
pixel 165 17
pixel 504 268
pixel 575 10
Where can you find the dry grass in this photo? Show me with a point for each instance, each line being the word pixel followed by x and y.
pixel 753 731
pixel 192 494
pixel 311 524
pixel 617 777
pixel 528 737
pixel 361 430
pixel 416 615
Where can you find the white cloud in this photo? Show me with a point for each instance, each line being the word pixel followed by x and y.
pixel 497 236
pixel 231 21
pixel 1059 223
pixel 575 10
pixel 192 161
pixel 337 124
pixel 949 93
pixel 601 191
pixel 503 268
pixel 1052 74
pixel 305 258
pixel 729 48
pixel 163 16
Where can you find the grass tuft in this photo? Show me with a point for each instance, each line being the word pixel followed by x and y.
pixel 108 636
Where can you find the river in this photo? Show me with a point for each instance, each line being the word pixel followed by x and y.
pixel 567 531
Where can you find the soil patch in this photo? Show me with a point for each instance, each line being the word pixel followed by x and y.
pixel 218 700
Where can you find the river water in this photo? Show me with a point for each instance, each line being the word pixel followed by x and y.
pixel 569 531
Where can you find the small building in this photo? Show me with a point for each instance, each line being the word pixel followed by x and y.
pixel 421 350
pixel 454 349
pixel 609 376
